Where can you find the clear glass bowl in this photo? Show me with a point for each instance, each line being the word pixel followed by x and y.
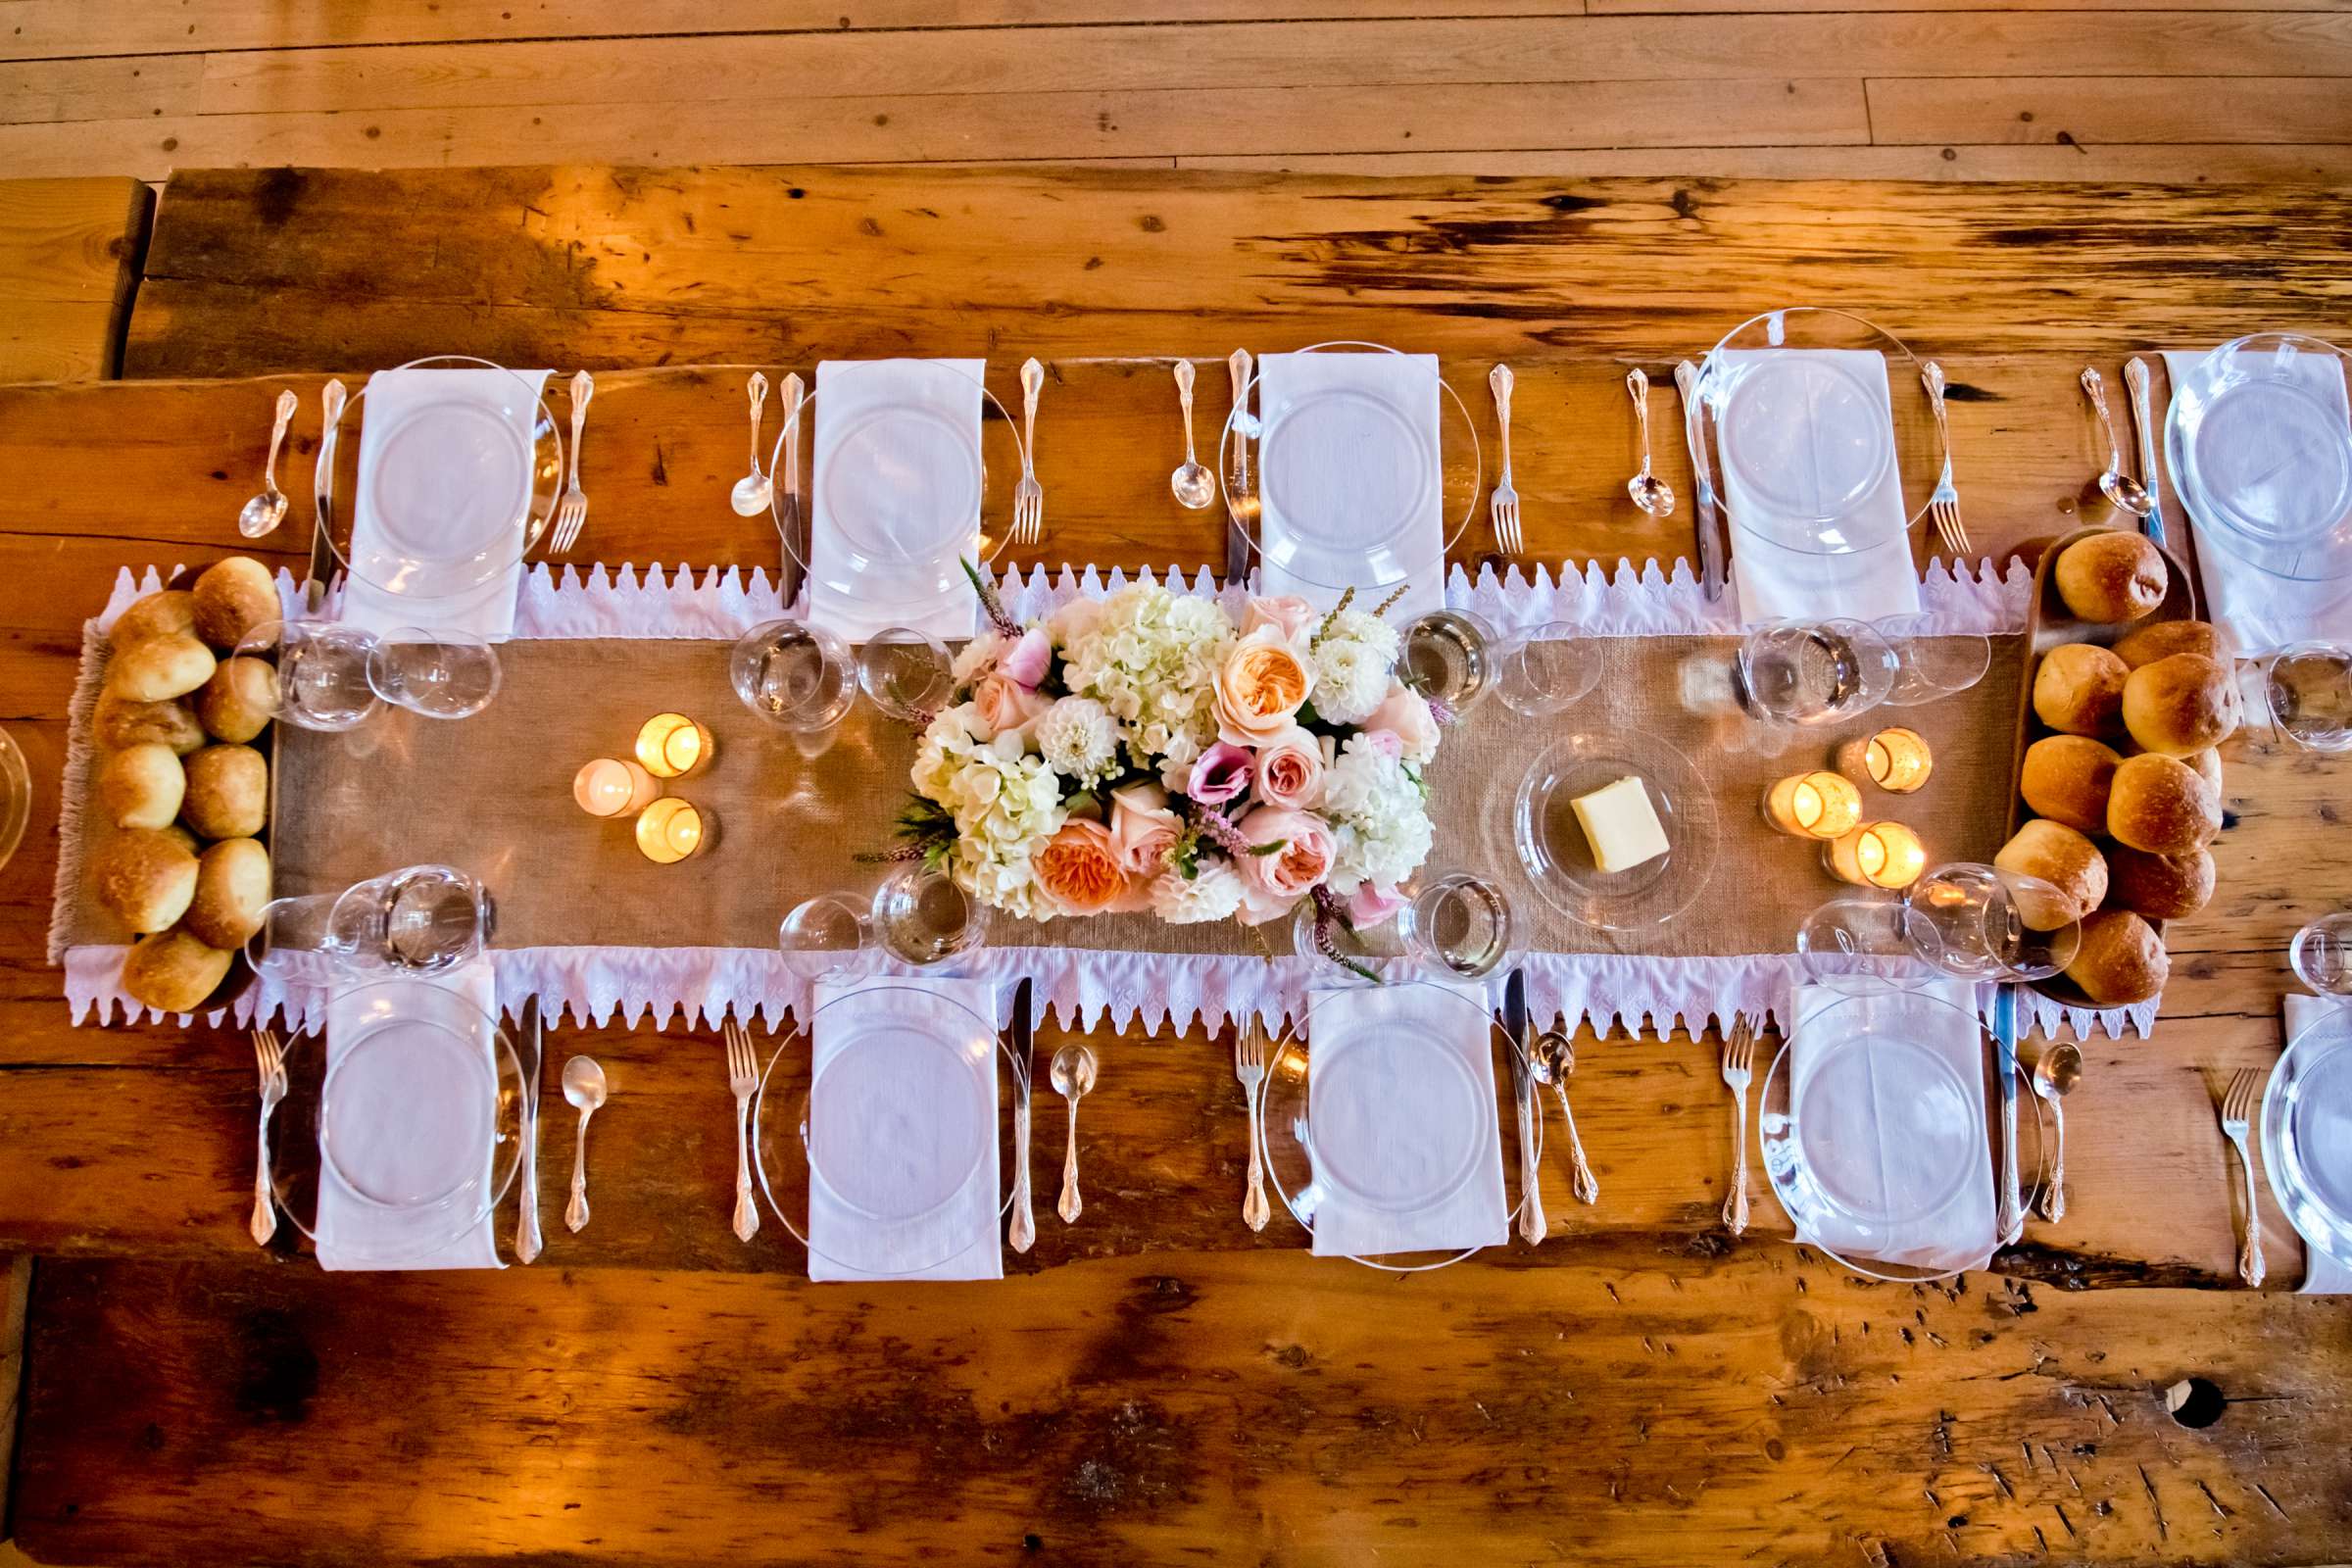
pixel 1559 858
pixel 2259 436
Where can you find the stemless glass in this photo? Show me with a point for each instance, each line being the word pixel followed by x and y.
pixel 1447 656
pixel 826 937
pixel 797 676
pixel 906 672
pixel 1809 673
pixel 1971 921
pixel 1457 924
pixel 2307 690
pixel 1354 951
pixel 1540 672
pixel 438 672
pixel 2322 955
pixel 1929 663
pixel 323 671
pixel 925 917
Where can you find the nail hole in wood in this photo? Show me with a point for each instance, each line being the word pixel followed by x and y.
pixel 2194 1402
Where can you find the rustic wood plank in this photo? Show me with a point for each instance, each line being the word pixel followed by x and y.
pixel 99 89
pixel 1277 1408
pixel 70 255
pixel 2087 109
pixel 2204 163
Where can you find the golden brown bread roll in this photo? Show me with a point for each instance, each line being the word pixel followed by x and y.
pixel 2180 703
pixel 2112 576
pixel 2064 858
pixel 235 704
pixel 159 667
pixel 2208 764
pixel 2122 959
pixel 2079 690
pixel 145 877
pixel 143 786
pixel 173 972
pixel 2160 887
pixel 232 884
pixel 228 791
pixel 170 613
pixel 2066 778
pixel 2162 639
pixel 233 596
pixel 2158 804
pixel 121 721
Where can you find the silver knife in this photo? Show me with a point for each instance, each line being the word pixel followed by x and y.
pixel 526 1221
pixel 1523 1097
pixel 2143 420
pixel 792 527
pixel 1238 490
pixel 2010 1222
pixel 1694 436
pixel 1022 1232
pixel 322 501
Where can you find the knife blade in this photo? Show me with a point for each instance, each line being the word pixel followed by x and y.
pixel 1694 436
pixel 2011 1220
pixel 526 1221
pixel 2143 420
pixel 791 527
pixel 1523 1099
pixel 322 500
pixel 1021 1234
pixel 1239 494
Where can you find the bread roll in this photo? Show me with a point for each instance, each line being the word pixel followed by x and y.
pixel 2079 690
pixel 2112 576
pixel 2208 764
pixel 233 596
pixel 159 667
pixel 2159 805
pixel 233 885
pixel 2161 886
pixel 2162 639
pixel 235 704
pixel 2122 959
pixel 2067 777
pixel 170 613
pixel 121 721
pixel 173 972
pixel 228 791
pixel 143 786
pixel 2180 703
pixel 2064 859
pixel 144 877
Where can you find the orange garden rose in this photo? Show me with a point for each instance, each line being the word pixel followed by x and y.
pixel 1080 869
pixel 1260 688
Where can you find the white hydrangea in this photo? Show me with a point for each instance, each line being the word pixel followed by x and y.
pixel 1352 677
pixel 979 654
pixel 1359 626
pixel 1378 817
pixel 1004 804
pixel 1078 737
pixel 1149 657
pixel 1214 894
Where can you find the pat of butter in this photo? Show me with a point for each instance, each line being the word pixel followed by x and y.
pixel 1621 826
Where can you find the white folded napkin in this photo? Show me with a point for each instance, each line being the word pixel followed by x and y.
pixel 2322 1275
pixel 929 595
pixel 356 1234
pixel 1405 1121
pixel 486 610
pixel 1963 1233
pixel 1354 459
pixel 903 1129
pixel 2262 611
pixel 1778 584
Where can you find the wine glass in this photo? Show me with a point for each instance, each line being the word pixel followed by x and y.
pixel 425 918
pixel 438 672
pixel 906 673
pixel 1457 924
pixel 1857 943
pixel 826 937
pixel 1447 656
pixel 925 916
pixel 1931 664
pixel 322 671
pixel 1541 671
pixel 1814 672
pixel 1981 923
pixel 2322 955
pixel 797 676
pixel 2307 691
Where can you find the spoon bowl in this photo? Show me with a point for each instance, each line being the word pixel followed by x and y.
pixel 752 495
pixel 2125 493
pixel 1651 494
pixel 262 513
pixel 1073 1074
pixel 584 1084
pixel 2057 1071
pixel 1194 485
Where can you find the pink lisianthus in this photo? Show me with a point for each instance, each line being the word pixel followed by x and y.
pixel 1026 662
pixel 1370 907
pixel 1221 774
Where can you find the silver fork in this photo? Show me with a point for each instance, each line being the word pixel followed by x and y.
pixel 743 1077
pixel 1506 494
pixel 1029 497
pixel 1249 1066
pixel 269 1060
pixel 2237 1113
pixel 1944 504
pixel 571 511
pixel 1738 1064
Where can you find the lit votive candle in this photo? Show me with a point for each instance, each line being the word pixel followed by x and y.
pixel 672 830
pixel 1814 805
pixel 1877 855
pixel 1895 759
pixel 673 746
pixel 613 787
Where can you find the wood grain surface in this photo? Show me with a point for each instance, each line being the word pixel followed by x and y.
pixel 70 255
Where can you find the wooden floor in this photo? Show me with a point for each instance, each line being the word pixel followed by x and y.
pixel 2038 89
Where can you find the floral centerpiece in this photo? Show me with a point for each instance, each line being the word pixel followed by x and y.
pixel 1145 753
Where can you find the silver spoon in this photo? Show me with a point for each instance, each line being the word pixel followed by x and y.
pixel 1552 1063
pixel 2120 488
pixel 584 1087
pixel 1073 1076
pixel 753 490
pixel 268 509
pixel 1650 493
pixel 2058 1070
pixel 1192 485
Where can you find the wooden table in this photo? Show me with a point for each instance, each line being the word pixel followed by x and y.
pixel 1154 1382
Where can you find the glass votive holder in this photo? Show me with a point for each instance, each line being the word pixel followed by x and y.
pixel 672 830
pixel 611 786
pixel 1814 805
pixel 1877 855
pixel 673 746
pixel 1896 759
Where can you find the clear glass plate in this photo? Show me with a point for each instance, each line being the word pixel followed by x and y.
pixel 2307 1132
pixel 2259 433
pixel 1558 857
pixel 15 796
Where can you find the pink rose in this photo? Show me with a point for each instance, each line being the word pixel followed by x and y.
pixel 1290 770
pixel 1143 828
pixel 1006 704
pixel 1288 614
pixel 1405 714
pixel 1371 906
pixel 1260 687
pixel 1274 881
pixel 1221 774
pixel 1385 742
pixel 1028 659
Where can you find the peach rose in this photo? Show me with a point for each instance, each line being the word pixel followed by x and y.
pixel 1006 704
pixel 1143 829
pixel 1274 881
pixel 1405 714
pixel 1260 689
pixel 1290 770
pixel 1080 870
pixel 1287 615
